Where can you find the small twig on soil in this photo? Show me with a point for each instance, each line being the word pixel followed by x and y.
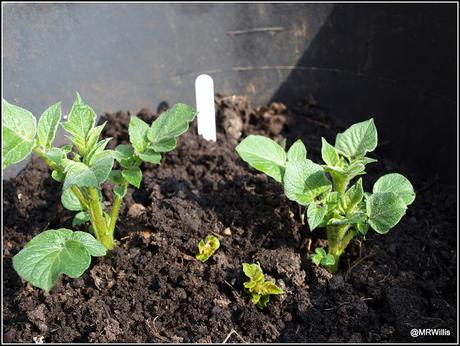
pixel 233 289
pixel 233 331
pixel 355 263
pixel 309 245
pixel 153 329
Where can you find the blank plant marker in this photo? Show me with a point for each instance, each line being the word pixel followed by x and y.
pixel 204 89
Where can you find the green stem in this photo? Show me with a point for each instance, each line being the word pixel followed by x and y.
pixel 340 184
pixel 338 238
pixel 98 220
pixel 115 210
pixel 50 163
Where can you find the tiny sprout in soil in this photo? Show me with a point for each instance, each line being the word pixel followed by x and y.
pixel 333 198
pixel 207 247
pixel 259 289
pixel 82 166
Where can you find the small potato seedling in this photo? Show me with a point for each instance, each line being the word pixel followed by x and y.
pixel 82 167
pixel 207 247
pixel 259 289
pixel 333 198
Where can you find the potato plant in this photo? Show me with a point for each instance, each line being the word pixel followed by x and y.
pixel 82 167
pixel 207 247
pixel 259 289
pixel 333 197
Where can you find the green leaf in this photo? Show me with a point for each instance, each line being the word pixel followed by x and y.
pixel 164 146
pixel 120 191
pixel 263 154
pixel 320 251
pixel 328 153
pixel 103 163
pixel 79 174
pixel 81 120
pixel 315 215
pixel 253 271
pixel 58 176
pixel 150 156
pixel 171 124
pixel 125 155
pixel 116 177
pixel 357 140
pixel 80 218
pixel 70 201
pixel 269 287
pixel 297 152
pixel 362 228
pixel 397 184
pixel 354 195
pixel 385 210
pixel 97 149
pixel 133 176
pixel 48 124
pixel 54 252
pixel 93 136
pixel 138 130
pixel 207 247
pixel 55 155
pixel 304 181
pixel 318 256
pixel 328 260
pixel 18 132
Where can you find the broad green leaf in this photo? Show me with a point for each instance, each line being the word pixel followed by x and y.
pixel 70 201
pixel 263 301
pixel 150 156
pixel 354 195
pixel 116 177
pixel 164 146
pixel 315 215
pixel 357 140
pixel 48 124
pixel 385 210
pixel 255 298
pixel 328 153
pixel 81 120
pixel 171 124
pixel 124 154
pixel 120 191
pixel 79 174
pixel 54 252
pixel 103 163
pixel 80 218
pixel 356 218
pixel 320 251
pixel 318 256
pixel 263 154
pixel 297 152
pixel 355 169
pixel 304 181
pixel 18 132
pixel 138 130
pixel 397 184
pixel 253 271
pixel 133 176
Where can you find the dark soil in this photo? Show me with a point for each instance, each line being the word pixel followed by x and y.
pixel 151 289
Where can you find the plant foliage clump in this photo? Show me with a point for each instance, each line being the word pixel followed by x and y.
pixel 333 192
pixel 82 166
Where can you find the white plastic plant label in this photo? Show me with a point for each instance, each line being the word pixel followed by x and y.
pixel 204 89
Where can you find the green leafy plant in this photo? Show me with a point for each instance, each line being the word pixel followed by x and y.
pixel 82 166
pixel 207 247
pixel 333 197
pixel 259 289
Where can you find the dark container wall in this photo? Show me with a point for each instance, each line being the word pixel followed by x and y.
pixel 394 62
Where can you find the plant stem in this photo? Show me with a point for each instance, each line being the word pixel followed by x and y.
pixel 338 238
pixel 115 210
pixel 98 220
pixel 340 184
pixel 50 163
